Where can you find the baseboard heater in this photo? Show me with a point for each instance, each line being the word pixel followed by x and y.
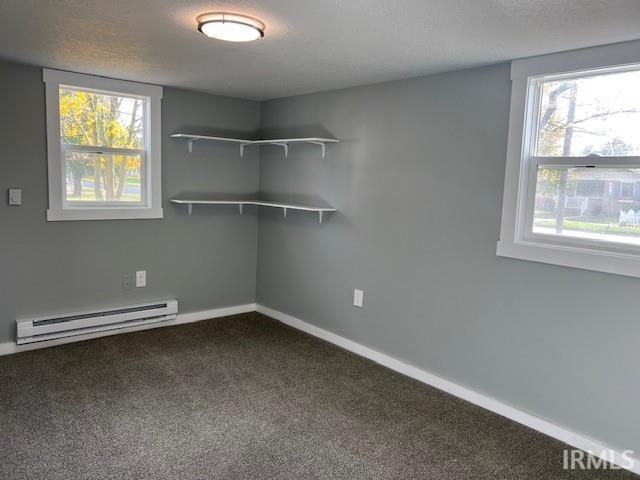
pixel 50 327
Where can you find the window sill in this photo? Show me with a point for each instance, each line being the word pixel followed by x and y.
pixel 574 257
pixel 105 214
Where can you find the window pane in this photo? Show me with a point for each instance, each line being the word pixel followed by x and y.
pixel 593 115
pixel 100 119
pixel 592 203
pixel 96 177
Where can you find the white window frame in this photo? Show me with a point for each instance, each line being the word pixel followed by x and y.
pixel 516 238
pixel 151 205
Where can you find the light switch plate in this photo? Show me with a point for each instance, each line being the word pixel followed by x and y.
pixel 141 278
pixel 358 298
pixel 15 196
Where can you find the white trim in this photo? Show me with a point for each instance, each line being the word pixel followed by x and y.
pixel 214 313
pixel 152 194
pixel 532 421
pixel 85 213
pixel 82 80
pixel 567 256
pixel 584 59
pixel 8 348
pixel 516 240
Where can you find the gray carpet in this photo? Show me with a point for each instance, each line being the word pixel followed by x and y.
pixel 246 397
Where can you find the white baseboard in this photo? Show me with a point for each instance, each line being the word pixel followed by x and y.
pixel 190 317
pixel 532 421
pixel 213 313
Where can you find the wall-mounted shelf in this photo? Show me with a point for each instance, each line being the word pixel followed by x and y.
pixel 281 142
pixel 241 203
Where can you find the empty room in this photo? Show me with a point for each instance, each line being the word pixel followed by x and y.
pixel 290 240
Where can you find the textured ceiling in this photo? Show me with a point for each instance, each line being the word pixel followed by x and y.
pixel 308 46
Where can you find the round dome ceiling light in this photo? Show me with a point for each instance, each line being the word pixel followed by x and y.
pixel 230 27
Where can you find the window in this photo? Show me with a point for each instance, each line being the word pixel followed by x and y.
pixel 103 140
pixel 572 183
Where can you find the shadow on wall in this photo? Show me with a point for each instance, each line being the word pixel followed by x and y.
pixel 289 132
pixel 314 130
pixel 298 199
pixel 217 132
pixel 213 210
pixel 304 219
pixel 208 195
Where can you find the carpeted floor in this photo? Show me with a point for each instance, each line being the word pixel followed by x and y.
pixel 246 397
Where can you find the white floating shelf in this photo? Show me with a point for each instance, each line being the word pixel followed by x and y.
pixel 281 142
pixel 241 203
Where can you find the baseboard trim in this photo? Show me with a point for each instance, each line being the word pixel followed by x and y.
pixel 8 348
pixel 530 420
pixel 213 313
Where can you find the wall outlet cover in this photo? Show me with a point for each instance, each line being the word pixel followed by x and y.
pixel 358 298
pixel 15 196
pixel 141 278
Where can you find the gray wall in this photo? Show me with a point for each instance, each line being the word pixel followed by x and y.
pixel 418 182
pixel 206 261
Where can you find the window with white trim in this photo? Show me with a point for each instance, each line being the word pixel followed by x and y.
pixel 103 141
pixel 572 183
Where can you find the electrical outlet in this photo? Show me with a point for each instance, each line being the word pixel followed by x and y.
pixel 128 281
pixel 358 298
pixel 141 278
pixel 15 196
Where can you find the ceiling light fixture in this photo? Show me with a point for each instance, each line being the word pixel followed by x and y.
pixel 230 27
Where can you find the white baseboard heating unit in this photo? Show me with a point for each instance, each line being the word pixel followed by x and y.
pixel 50 327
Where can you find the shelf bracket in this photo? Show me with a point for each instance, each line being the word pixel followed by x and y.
pixel 190 145
pixel 320 217
pixel 286 148
pixel 323 147
pixel 284 211
pixel 242 145
pixel 190 207
pixel 240 205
